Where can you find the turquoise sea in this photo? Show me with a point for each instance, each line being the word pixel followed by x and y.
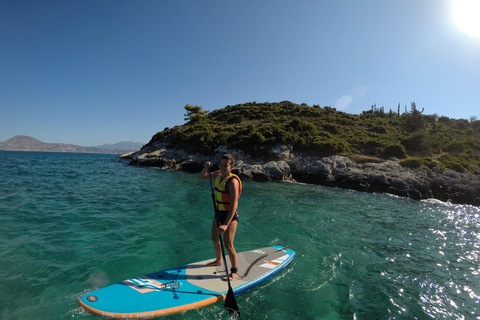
pixel 72 223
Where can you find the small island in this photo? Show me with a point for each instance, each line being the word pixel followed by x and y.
pixel 402 152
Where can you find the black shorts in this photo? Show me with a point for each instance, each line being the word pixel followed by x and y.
pixel 222 216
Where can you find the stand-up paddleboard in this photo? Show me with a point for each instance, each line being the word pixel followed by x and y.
pixel 183 288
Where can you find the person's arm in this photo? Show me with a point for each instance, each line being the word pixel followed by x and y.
pixel 233 187
pixel 203 175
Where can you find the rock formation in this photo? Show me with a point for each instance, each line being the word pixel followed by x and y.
pixel 383 176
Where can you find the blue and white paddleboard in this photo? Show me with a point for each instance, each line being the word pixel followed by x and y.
pixel 183 288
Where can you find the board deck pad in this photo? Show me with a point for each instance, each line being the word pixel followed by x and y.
pixel 197 285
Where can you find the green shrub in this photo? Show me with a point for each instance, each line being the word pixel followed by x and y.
pixel 456 163
pixel 411 163
pixel 302 125
pixel 256 127
pixel 455 147
pixel 323 144
pixel 236 119
pixel 422 141
pixel 416 163
pixel 396 150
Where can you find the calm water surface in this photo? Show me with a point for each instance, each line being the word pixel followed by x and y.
pixel 72 223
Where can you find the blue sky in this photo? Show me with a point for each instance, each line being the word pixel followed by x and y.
pixel 89 72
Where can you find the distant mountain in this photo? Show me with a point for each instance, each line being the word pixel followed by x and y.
pixel 123 145
pixel 26 143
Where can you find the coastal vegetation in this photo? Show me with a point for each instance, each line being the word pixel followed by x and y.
pixel 416 139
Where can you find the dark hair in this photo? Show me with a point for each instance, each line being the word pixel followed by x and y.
pixel 229 157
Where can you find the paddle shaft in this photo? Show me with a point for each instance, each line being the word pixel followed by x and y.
pixel 230 302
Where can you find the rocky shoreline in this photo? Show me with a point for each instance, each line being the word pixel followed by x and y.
pixel 382 176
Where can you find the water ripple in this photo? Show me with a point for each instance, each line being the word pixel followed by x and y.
pixel 71 223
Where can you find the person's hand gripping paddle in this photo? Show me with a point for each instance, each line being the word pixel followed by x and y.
pixel 230 302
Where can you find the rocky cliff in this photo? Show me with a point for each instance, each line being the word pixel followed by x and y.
pixel 368 175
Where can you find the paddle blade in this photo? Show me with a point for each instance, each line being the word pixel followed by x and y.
pixel 231 303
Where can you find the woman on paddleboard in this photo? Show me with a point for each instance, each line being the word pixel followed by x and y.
pixel 228 187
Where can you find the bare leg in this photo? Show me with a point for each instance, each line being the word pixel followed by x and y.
pixel 229 236
pixel 216 245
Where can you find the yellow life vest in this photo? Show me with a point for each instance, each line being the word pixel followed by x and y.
pixel 222 197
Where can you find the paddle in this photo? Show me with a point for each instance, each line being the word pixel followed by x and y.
pixel 230 302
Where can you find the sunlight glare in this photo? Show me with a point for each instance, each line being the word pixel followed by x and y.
pixel 466 14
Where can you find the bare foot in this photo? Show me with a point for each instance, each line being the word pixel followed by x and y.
pixel 214 263
pixel 232 276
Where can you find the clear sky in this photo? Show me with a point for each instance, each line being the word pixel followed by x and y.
pixel 89 72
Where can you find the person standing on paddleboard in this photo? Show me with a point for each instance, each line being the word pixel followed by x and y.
pixel 228 187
